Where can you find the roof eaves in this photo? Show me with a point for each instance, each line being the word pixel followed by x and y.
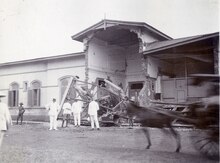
pixel 77 36
pixel 42 59
pixel 199 38
pixel 157 31
pixel 118 22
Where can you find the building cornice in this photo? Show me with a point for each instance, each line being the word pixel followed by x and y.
pixel 108 23
pixel 164 45
pixel 43 59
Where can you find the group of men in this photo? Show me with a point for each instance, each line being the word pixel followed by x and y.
pixel 53 111
pixel 75 109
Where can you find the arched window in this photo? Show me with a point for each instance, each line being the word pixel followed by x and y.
pixel 13 94
pixel 63 83
pixel 34 94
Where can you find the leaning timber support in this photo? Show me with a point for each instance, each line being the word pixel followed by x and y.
pixel 65 93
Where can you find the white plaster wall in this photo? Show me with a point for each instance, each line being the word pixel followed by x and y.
pixel 75 61
pixel 145 35
pixel 134 70
pixel 69 66
pixel 122 65
pixel 105 60
pixel 55 75
pixel 59 68
pixel 19 78
pixel 153 65
pixel 148 37
pixel 23 68
pixel 116 78
pixel 38 71
pixel 104 57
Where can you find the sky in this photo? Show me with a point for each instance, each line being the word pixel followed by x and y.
pixel 41 28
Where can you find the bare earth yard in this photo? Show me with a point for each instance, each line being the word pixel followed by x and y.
pixel 35 143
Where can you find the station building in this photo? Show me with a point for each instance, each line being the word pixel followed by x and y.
pixel 127 53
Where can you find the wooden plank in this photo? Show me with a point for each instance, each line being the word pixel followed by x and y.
pixel 65 94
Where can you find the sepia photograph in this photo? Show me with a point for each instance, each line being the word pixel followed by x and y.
pixel 105 81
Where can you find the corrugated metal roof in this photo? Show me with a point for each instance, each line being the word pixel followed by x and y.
pixel 163 45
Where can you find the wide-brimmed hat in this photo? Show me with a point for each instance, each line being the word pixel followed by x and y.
pixel 21 103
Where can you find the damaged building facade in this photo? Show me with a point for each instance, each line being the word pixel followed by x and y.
pixel 127 53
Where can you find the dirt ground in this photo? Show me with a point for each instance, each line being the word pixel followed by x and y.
pixel 35 143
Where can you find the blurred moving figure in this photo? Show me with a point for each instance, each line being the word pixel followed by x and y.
pixel 5 118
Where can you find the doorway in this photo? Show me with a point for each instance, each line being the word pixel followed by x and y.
pixel 135 88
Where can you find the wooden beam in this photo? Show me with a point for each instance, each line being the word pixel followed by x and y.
pixel 65 93
pixel 199 58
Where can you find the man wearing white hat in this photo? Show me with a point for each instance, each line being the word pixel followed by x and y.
pixel 53 108
pixel 5 118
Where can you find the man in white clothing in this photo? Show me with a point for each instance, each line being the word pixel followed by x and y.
pixel 93 113
pixel 66 112
pixel 53 108
pixel 5 118
pixel 76 109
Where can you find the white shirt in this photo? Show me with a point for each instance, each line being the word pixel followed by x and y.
pixel 53 108
pixel 66 108
pixel 93 108
pixel 5 117
pixel 77 107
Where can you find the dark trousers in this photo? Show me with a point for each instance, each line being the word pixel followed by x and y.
pixel 20 116
pixel 66 117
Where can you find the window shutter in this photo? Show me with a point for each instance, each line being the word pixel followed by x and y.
pixel 10 98
pixel 30 97
pixel 17 98
pixel 38 97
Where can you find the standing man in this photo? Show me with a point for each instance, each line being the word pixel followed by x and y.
pixel 66 112
pixel 53 108
pixel 77 109
pixel 21 111
pixel 5 118
pixel 93 113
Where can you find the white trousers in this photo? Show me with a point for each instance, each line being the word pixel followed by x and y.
pixel 1 137
pixel 77 119
pixel 94 119
pixel 53 122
